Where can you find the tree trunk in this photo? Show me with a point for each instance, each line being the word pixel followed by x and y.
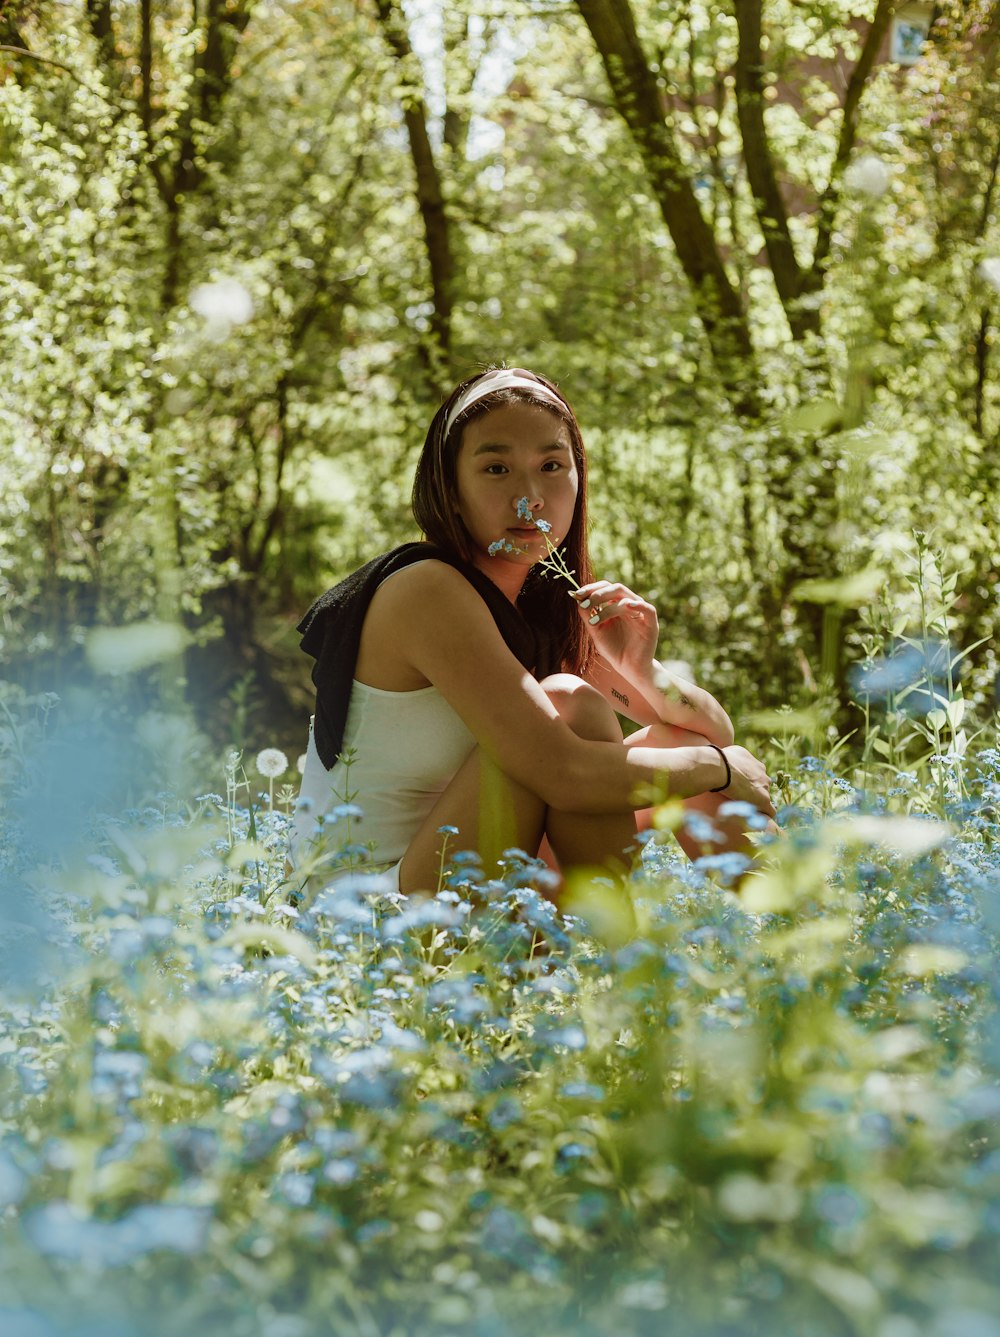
pixel 768 201
pixel 637 98
pixel 856 85
pixel 430 195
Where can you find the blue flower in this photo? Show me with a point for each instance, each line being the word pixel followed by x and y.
pixel 571 1152
pixel 811 764
pixel 60 1231
pixel 343 810
pixel 340 1172
pixel 295 1188
pixel 914 676
pixel 503 545
pixel 571 1037
pixel 505 1112
pixel 582 1091
pixel 702 828
pixel 13 1182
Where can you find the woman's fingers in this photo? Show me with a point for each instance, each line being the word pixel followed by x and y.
pixel 605 612
pixel 602 600
pixel 598 590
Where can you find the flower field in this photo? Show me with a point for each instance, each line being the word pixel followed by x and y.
pixel 229 1109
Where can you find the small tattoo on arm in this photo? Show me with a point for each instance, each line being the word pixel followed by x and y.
pixel 684 700
pixel 619 696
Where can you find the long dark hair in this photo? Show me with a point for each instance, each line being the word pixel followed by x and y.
pixel 543 600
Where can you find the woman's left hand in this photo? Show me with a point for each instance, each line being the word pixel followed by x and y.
pixel 624 627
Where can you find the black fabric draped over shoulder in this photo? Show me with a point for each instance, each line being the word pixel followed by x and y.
pixel 331 634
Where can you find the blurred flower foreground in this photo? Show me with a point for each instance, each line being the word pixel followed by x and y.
pixel 230 1108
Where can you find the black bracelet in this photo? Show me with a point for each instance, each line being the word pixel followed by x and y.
pixel 729 773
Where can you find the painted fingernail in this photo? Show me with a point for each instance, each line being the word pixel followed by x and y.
pixel 584 603
pixel 594 618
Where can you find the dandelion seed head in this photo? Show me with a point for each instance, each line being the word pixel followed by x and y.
pixel 271 762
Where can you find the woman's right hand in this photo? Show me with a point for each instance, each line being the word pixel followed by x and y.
pixel 750 783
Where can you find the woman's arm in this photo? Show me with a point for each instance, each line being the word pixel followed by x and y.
pixel 664 699
pixel 443 629
pixel 625 631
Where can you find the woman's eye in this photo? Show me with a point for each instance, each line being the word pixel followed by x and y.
pixel 496 468
pixel 551 466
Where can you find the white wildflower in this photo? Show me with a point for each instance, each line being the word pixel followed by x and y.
pixel 271 763
pixel 868 175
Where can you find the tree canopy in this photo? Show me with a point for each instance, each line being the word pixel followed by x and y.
pixel 247 246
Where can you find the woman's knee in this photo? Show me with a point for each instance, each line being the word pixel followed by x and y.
pixel 583 707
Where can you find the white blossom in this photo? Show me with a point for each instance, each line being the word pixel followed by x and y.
pixel 868 175
pixel 223 299
pixel 989 270
pixel 221 304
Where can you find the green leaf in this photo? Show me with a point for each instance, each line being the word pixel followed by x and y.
pixel 849 591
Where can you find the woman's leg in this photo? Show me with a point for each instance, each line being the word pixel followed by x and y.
pixel 494 812
pixel 733 830
pixel 588 839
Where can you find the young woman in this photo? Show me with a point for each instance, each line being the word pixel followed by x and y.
pixel 462 683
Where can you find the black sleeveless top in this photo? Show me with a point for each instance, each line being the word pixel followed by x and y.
pixel 331 634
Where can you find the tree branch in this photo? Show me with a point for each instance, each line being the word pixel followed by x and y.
pixel 830 199
pixel 430 196
pixel 768 202
pixel 637 98
pixel 58 65
pixel 163 186
pixel 102 29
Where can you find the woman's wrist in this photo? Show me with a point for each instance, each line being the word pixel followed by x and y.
pixel 708 772
pixel 721 789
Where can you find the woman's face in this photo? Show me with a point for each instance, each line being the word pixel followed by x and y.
pixel 518 450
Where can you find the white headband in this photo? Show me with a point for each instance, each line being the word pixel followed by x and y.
pixel 501 380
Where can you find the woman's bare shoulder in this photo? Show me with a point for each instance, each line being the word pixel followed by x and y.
pixel 423 577
pixel 403 606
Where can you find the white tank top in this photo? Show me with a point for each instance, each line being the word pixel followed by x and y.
pixel 408 746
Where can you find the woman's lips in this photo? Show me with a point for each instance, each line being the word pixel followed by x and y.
pixel 529 533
